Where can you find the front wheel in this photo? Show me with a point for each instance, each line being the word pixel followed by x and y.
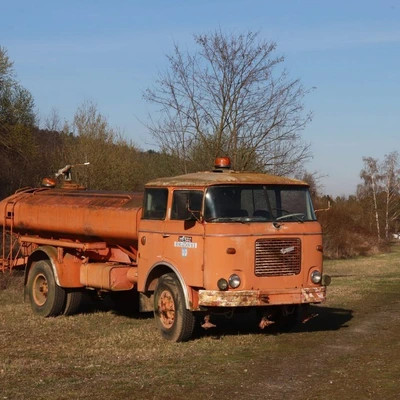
pixel 47 299
pixel 174 321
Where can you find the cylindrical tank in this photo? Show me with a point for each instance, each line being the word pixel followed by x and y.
pixel 82 215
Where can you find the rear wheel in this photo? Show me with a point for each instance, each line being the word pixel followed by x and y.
pixel 47 299
pixel 74 300
pixel 174 321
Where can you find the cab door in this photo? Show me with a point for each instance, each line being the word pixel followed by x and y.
pixel 184 235
pixel 151 231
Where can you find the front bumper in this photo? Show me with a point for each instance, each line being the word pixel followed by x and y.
pixel 246 298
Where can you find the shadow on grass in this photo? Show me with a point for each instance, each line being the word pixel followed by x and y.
pixel 119 303
pixel 328 319
pixel 239 323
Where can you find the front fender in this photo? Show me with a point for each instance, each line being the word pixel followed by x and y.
pixel 159 269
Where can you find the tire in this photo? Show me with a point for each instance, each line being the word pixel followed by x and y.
pixel 74 300
pixel 47 299
pixel 174 321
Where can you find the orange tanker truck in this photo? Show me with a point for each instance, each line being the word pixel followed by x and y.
pixel 189 246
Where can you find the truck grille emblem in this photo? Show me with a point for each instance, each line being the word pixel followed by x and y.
pixel 287 250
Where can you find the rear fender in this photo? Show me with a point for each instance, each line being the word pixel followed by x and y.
pixel 65 266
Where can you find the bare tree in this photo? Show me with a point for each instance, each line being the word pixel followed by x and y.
pixel 372 178
pixel 391 186
pixel 230 97
pixel 114 164
pixel 53 121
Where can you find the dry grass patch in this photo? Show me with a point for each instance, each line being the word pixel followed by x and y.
pixel 100 354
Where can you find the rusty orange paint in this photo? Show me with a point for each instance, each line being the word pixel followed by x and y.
pixel 74 214
pixel 68 271
pixel 106 276
pixel 102 240
pixel 240 298
pixel 208 178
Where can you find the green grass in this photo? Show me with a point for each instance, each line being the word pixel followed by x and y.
pixel 350 351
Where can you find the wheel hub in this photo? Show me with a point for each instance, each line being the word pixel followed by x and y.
pixel 166 308
pixel 40 289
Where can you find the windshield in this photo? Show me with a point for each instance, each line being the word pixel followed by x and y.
pixel 252 203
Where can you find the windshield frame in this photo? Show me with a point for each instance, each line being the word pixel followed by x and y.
pixel 258 203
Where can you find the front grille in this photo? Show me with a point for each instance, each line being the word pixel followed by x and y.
pixel 277 257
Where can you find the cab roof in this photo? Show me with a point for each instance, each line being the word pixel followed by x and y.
pixel 216 177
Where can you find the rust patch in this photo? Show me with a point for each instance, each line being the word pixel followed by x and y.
pixel 229 177
pixel 313 295
pixel 207 324
pixel 246 298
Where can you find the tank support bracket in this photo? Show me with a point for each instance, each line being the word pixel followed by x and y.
pixel 64 243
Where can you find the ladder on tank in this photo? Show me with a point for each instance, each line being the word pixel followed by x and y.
pixel 10 252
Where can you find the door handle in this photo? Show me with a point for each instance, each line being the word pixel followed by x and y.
pixel 165 235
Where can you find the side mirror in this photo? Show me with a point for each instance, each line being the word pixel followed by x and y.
pixel 324 209
pixel 197 215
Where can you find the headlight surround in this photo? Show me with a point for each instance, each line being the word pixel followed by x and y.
pixel 316 277
pixel 234 281
pixel 222 284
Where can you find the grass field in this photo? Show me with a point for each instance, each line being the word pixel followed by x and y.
pixel 350 351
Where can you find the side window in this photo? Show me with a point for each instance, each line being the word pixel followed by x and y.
pixel 185 200
pixel 155 204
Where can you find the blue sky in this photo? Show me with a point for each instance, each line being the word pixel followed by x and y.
pixel 109 52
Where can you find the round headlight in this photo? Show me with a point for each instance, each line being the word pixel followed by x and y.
pixel 234 281
pixel 222 284
pixel 316 277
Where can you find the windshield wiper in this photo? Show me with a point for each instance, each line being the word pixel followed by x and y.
pixel 296 216
pixel 242 220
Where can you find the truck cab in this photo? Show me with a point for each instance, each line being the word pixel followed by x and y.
pixel 227 240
